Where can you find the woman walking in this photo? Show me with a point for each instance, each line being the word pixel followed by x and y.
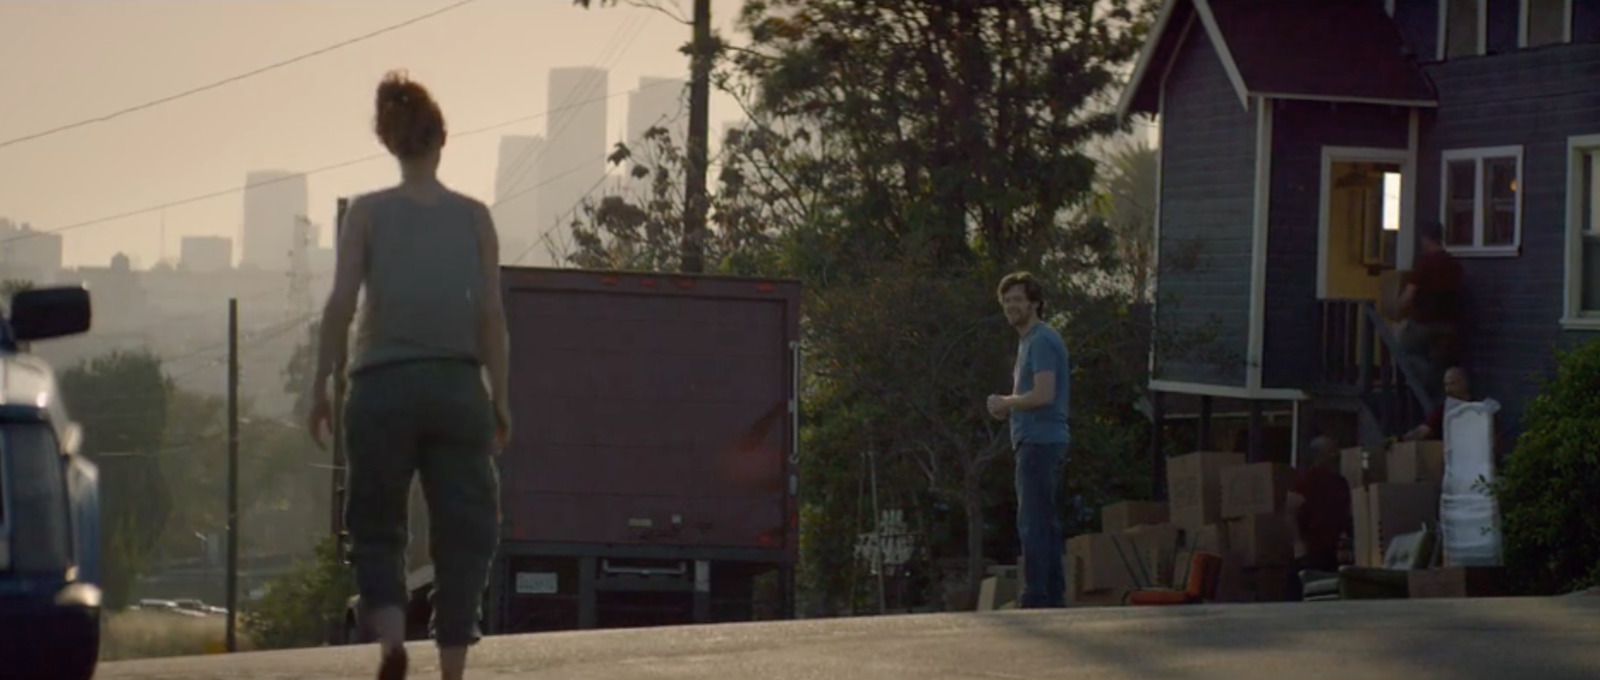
pixel 431 324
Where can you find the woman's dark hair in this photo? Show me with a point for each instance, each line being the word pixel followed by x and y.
pixel 408 120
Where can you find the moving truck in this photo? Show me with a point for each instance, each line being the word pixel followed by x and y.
pixel 652 474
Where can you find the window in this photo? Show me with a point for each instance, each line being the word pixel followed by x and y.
pixel 1583 232
pixel 1461 28
pixel 1545 22
pixel 1480 205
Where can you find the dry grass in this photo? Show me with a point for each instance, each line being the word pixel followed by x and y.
pixel 138 634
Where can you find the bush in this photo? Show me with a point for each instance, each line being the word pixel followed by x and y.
pixel 146 634
pixel 1550 487
pixel 302 606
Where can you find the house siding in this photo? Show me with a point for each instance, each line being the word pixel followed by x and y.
pixel 1535 99
pixel 1300 131
pixel 1418 21
pixel 1207 199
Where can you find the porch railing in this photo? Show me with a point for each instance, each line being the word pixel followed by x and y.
pixel 1360 357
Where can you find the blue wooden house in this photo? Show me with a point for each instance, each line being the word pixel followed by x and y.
pixel 1304 141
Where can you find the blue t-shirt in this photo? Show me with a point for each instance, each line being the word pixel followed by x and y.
pixel 1041 350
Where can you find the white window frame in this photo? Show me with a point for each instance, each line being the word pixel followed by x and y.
pixel 1478 249
pixel 1525 6
pixel 1573 316
pixel 1483 28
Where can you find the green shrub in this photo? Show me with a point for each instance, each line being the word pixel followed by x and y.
pixel 302 606
pixel 1550 488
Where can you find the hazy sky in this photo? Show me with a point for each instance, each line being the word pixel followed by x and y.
pixel 66 60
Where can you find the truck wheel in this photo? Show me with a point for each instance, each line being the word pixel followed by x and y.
pixel 81 653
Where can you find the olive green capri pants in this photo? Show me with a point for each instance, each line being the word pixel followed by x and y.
pixel 431 418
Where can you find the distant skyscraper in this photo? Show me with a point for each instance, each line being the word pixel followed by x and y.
pixel 573 163
pixel 275 199
pixel 205 254
pixel 656 103
pixel 28 254
pixel 516 194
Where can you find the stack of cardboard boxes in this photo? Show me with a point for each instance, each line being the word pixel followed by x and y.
pixel 1234 509
pixel 1134 549
pixel 1218 503
pixel 1395 492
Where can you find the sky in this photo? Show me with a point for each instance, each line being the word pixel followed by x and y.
pixel 62 61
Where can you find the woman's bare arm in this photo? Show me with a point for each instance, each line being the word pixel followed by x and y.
pixel 492 334
pixel 349 274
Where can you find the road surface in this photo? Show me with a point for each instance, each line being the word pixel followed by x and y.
pixel 1499 639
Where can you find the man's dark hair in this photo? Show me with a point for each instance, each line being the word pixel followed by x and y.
pixel 1432 231
pixel 1030 288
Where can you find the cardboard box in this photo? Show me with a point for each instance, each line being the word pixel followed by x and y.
pixel 1457 582
pixel 1391 283
pixel 1260 541
pixel 1255 489
pixel 997 591
pixel 1093 562
pixel 1112 597
pixel 1211 538
pixel 1119 517
pixel 1151 550
pixel 1382 511
pixel 1194 487
pixel 1361 469
pixel 1416 462
pixel 1272 583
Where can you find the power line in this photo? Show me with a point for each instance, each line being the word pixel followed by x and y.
pixel 586 194
pixel 284 178
pixel 520 167
pixel 235 78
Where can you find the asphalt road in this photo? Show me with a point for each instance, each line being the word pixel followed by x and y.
pixel 1487 639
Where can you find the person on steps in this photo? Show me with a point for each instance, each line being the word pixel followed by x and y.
pixel 431 325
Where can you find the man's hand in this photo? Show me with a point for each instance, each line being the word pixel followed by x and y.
pixel 321 418
pixel 502 427
pixel 998 406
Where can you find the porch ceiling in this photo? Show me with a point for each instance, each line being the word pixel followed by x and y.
pixel 1326 50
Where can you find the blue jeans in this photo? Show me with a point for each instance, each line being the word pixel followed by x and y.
pixel 1039 469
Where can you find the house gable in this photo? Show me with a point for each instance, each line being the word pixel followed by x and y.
pixel 1206 227
pixel 1329 50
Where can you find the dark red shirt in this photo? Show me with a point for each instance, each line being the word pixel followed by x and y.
pixel 1437 277
pixel 1436 422
pixel 1325 516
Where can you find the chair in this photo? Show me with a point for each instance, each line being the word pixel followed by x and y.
pixel 1205 569
pixel 1406 552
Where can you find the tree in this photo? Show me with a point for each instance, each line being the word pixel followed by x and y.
pixel 120 400
pixel 300 607
pixel 953 149
pixel 1549 489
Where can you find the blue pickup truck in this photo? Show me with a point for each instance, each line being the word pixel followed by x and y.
pixel 49 502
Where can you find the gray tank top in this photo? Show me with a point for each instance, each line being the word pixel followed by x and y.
pixel 424 282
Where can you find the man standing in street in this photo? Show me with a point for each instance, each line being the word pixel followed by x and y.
pixel 1037 408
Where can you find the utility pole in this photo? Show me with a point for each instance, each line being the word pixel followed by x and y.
pixel 233 473
pixel 696 202
pixel 337 424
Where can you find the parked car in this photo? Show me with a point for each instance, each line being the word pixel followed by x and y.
pixel 49 502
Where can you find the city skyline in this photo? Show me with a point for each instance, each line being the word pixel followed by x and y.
pixel 78 61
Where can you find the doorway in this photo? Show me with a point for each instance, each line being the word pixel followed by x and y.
pixel 1360 221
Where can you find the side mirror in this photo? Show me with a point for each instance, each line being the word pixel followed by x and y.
pixel 44 313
